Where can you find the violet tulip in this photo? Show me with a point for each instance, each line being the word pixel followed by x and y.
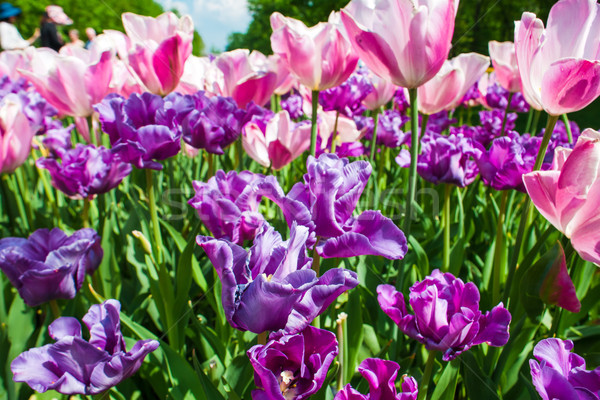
pixel 560 64
pixel 347 97
pixel 320 57
pixel 273 275
pixel 159 48
pixel 504 61
pixel 331 190
pixel 276 142
pixel 49 264
pixel 381 375
pixel 247 76
pixel 445 91
pixel 568 194
pixel 73 365
pixel 16 133
pixel 403 41
pixel 561 374
pixel 85 170
pixel 446 315
pixel 292 366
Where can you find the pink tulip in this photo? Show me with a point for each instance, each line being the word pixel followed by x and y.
pixel 320 57
pixel 346 129
pixel 116 42
pixel 504 61
pixel 15 134
pixel 199 73
pixel 560 65
pixel 13 60
pixel 568 195
pixel 278 143
pixel 160 47
pixel 403 41
pixel 382 92
pixel 247 76
pixel 447 89
pixel 285 80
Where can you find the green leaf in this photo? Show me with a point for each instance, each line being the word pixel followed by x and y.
pixel 212 392
pixel 445 388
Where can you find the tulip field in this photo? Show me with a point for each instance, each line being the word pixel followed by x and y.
pixel 358 215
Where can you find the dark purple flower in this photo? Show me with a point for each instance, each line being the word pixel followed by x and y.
pixel 389 129
pixel 401 100
pixel 292 366
pixel 293 105
pixel 346 149
pixel 8 85
pixel 561 374
pixel 381 375
pixel 273 275
pixel 144 128
pixel 49 264
pixel 491 121
pixel 497 98
pixel 509 157
pixel 472 96
pixel 347 98
pixel 86 170
pixel 73 365
pixel 445 159
pixel 439 122
pixel 214 123
pixel 57 137
pixel 447 316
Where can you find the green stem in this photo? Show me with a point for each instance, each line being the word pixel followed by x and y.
pixel 498 250
pixel 374 138
pixel 240 153
pixel 446 217
pixel 261 338
pixel 157 239
pixel 211 165
pixel 54 308
pixel 313 131
pixel 536 119
pixel 510 96
pixel 343 349
pixel 18 199
pixel 414 153
pixel 545 140
pixel 424 385
pixel 24 190
pixel 334 138
pixel 565 119
pixel 529 120
pixel 85 214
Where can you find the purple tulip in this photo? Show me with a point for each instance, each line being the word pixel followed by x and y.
pixel 561 374
pixel 491 121
pixel 401 102
pixel 560 138
pixel 293 105
pixel 273 275
pixel 213 124
pixel 58 137
pixel 497 98
pixel 347 98
pixel 445 159
pixel 509 157
pixel 73 365
pixel 447 316
pixel 292 366
pixel 86 170
pixel 472 96
pixel 49 264
pixel 331 190
pixel 389 129
pixel 145 127
pixel 439 122
pixel 381 375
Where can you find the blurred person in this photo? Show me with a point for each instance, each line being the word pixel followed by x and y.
pixel 10 38
pixel 91 35
pixel 53 16
pixel 74 39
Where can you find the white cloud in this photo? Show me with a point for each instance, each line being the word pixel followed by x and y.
pixel 180 6
pixel 228 11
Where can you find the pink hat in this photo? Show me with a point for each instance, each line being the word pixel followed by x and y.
pixel 58 16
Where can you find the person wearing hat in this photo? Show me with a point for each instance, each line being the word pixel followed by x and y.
pixel 53 16
pixel 10 38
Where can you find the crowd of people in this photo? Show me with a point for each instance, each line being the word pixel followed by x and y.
pixel 48 33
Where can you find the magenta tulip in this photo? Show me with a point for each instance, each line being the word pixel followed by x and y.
pixel 160 47
pixel 15 134
pixel 247 76
pixel 560 64
pixel 446 90
pixel 320 56
pixel 382 92
pixel 568 195
pixel 504 61
pixel 403 41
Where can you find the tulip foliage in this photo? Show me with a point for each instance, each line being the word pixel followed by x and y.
pixel 353 217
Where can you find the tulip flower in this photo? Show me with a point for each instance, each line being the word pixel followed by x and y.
pixel 403 41
pixel 560 64
pixel 505 65
pixel 201 74
pixel 320 57
pixel 446 315
pixel 382 92
pixel 568 194
pixel 73 365
pixel 331 190
pixel 277 142
pixel 381 375
pixel 159 48
pixel 247 76
pixel 293 105
pixel 560 374
pixel 49 264
pixel 85 170
pixel 273 275
pixel 445 91
pixel 347 97
pixel 292 366
pixel 16 133
pixel 389 131
pixel 12 61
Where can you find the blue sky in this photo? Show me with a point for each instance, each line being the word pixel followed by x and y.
pixel 213 19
